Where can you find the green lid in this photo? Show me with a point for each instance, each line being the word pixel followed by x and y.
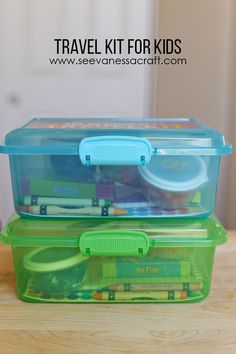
pixel 137 233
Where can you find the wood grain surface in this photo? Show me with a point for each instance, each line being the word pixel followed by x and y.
pixel 208 327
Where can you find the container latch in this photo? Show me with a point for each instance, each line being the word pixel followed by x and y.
pixel 114 243
pixel 115 150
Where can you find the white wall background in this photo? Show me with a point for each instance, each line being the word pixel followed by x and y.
pixel 30 87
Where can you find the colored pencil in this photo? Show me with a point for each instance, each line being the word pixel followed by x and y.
pixel 156 286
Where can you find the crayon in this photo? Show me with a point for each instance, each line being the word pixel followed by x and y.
pixel 156 286
pixel 152 295
pixel 95 202
pixel 57 210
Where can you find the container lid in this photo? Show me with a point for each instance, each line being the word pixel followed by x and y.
pixel 46 259
pixel 112 234
pixel 175 173
pixel 104 137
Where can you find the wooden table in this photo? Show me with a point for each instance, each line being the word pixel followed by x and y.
pixel 208 327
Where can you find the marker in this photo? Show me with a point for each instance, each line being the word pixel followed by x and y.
pixel 152 295
pixel 95 202
pixel 155 286
pixel 57 210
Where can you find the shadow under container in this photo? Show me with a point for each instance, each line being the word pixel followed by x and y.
pixel 114 167
pixel 126 260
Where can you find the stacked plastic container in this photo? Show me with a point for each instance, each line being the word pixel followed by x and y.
pixel 114 210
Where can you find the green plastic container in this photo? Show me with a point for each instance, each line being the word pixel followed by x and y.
pixel 130 260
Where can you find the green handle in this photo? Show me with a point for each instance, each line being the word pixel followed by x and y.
pixel 114 243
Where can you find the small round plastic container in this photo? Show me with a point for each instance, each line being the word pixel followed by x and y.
pixel 54 271
pixel 172 181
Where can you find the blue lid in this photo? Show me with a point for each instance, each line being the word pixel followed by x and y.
pixel 175 173
pixel 167 136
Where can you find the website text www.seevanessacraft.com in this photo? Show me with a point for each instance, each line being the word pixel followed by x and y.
pixel 155 60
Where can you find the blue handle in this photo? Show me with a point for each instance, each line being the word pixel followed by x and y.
pixel 115 150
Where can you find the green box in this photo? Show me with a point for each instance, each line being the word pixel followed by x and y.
pixel 125 260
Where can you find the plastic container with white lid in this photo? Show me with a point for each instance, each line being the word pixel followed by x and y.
pixel 172 181
pixel 114 167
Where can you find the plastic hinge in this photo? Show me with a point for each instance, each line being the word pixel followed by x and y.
pixel 114 243
pixel 115 150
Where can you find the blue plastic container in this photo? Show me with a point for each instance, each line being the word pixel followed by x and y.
pixel 115 167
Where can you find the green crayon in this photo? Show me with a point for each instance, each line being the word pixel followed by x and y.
pixel 58 210
pixel 94 202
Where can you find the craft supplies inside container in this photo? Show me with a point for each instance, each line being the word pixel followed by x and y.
pixel 114 167
pixel 110 260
